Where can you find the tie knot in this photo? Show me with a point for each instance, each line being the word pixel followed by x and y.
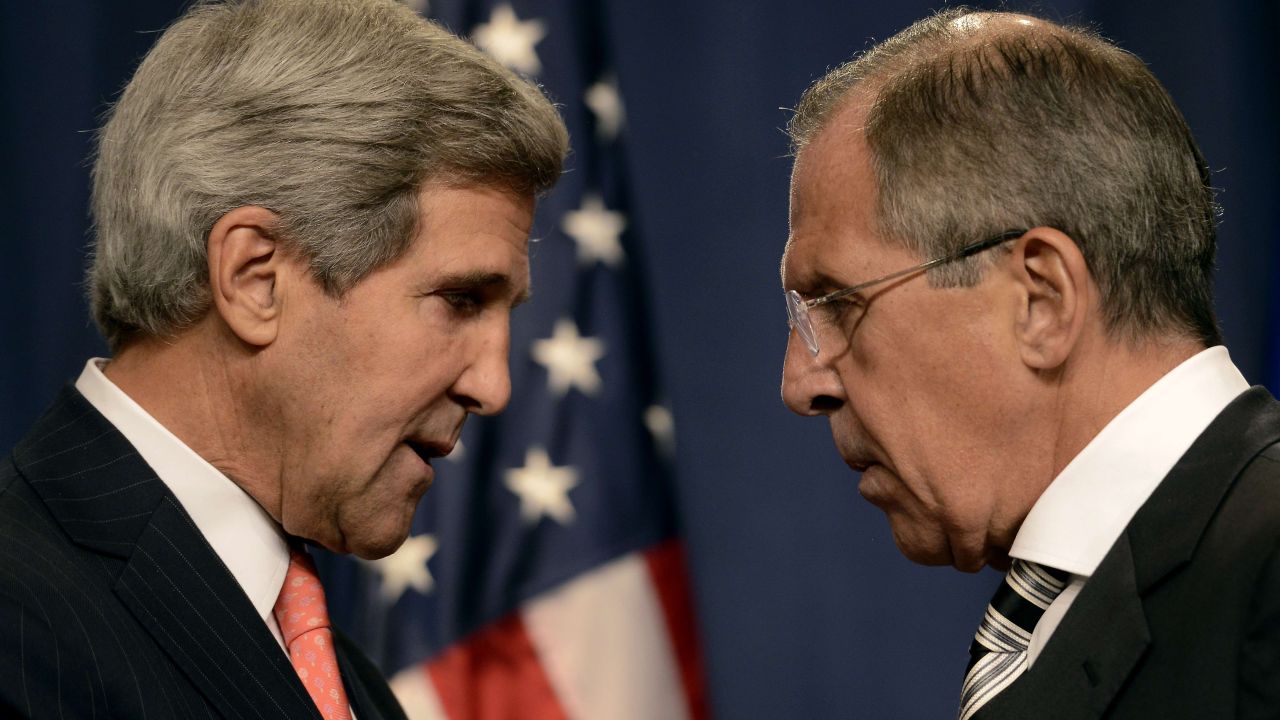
pixel 1027 590
pixel 998 654
pixel 1037 584
pixel 301 605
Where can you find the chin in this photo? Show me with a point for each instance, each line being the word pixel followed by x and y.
pixel 925 550
pixel 376 550
pixel 374 526
pixel 927 542
pixel 364 540
pixel 378 544
pixel 969 565
pixel 938 554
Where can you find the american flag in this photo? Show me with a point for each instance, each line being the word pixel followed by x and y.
pixel 544 577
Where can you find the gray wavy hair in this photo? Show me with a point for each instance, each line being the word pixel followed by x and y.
pixel 978 128
pixel 331 113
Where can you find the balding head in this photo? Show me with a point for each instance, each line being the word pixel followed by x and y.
pixel 980 122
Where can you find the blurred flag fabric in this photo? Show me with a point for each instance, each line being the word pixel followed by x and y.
pixel 544 576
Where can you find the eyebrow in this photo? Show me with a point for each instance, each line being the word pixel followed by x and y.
pixel 819 283
pixel 823 282
pixel 486 281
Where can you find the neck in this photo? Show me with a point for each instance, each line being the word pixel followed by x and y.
pixel 195 385
pixel 1101 381
pixel 1066 407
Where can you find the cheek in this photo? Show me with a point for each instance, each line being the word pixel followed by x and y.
pixel 377 516
pixel 392 380
pixel 914 415
pixel 942 381
pixel 895 400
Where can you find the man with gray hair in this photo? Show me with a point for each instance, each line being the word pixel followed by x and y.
pixel 999 283
pixel 311 225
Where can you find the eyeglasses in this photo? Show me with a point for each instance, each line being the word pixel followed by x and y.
pixel 798 307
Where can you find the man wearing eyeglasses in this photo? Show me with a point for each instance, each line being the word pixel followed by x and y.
pixel 999 283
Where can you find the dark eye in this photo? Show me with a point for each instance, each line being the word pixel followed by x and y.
pixel 463 302
pixel 841 309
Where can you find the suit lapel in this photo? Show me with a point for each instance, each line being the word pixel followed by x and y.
pixel 1105 633
pixel 367 690
pixel 109 501
pixel 179 590
pixel 94 483
pixel 1167 529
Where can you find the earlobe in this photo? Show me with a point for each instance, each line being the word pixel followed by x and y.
pixel 1055 281
pixel 244 273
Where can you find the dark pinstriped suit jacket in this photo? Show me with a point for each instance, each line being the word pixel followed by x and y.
pixel 112 604
pixel 1182 618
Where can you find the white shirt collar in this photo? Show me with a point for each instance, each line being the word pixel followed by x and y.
pixel 244 536
pixel 1084 510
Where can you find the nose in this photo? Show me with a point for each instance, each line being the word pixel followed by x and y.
pixel 484 387
pixel 810 386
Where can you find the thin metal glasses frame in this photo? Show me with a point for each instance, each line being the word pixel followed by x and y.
pixel 798 307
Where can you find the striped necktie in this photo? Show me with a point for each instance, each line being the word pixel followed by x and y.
pixel 998 654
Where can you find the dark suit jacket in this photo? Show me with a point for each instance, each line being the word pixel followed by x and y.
pixel 112 604
pixel 1182 618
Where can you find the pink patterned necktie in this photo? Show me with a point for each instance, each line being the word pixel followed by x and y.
pixel 304 622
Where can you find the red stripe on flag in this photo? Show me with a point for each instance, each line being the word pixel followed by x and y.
pixel 671 581
pixel 493 674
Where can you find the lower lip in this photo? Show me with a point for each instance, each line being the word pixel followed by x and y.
pixel 428 472
pixel 870 486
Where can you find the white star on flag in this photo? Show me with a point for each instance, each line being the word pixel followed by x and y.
pixel 605 103
pixel 407 567
pixel 510 40
pixel 543 488
pixel 662 426
pixel 570 359
pixel 596 230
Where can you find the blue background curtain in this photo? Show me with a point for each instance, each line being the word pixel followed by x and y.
pixel 806 608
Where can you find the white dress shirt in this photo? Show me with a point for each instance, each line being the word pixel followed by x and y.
pixel 1087 507
pixel 244 536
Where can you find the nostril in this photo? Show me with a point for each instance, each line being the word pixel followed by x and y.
pixel 825 404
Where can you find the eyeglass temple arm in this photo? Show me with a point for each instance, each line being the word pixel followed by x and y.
pixel 963 252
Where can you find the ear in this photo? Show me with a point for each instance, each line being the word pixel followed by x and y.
pixel 1055 280
pixel 244 273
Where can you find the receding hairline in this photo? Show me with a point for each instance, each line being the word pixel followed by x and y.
pixel 971 29
pixel 1062 126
